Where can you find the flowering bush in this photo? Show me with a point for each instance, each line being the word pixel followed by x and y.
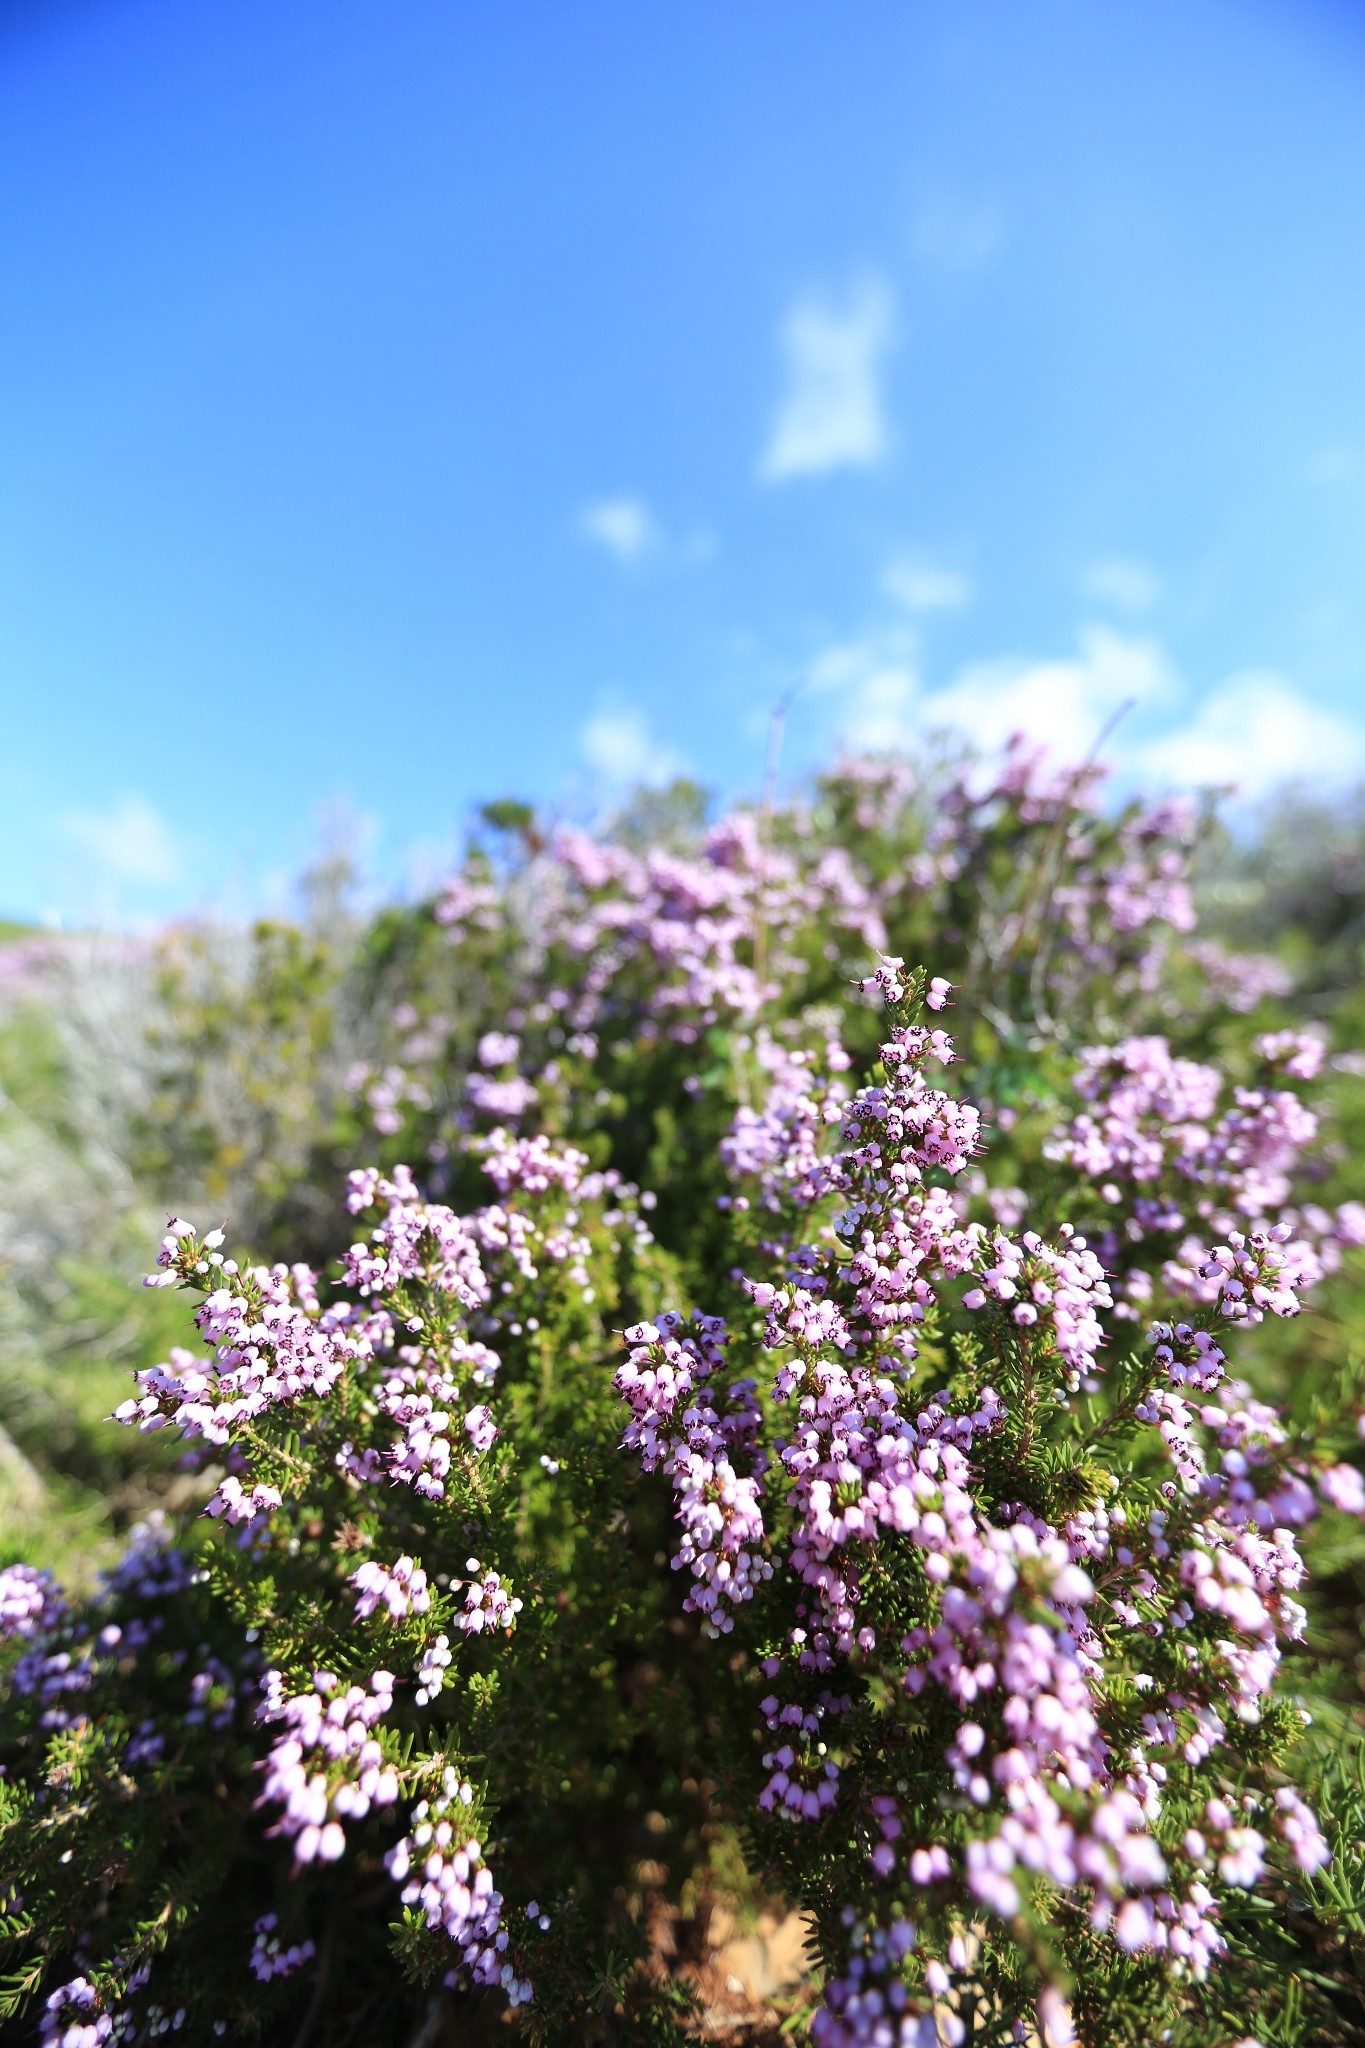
pixel 731 1453
pixel 601 991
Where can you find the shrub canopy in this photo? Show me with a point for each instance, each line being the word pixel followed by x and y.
pixel 753 1368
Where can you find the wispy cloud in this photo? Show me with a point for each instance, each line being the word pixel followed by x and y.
pixel 1122 581
pixel 1253 732
pixel 955 233
pixel 624 526
pixel 920 584
pixel 831 414
pixel 881 718
pixel 129 842
pixel 885 703
pixel 620 749
pixel 1064 702
pixel 875 681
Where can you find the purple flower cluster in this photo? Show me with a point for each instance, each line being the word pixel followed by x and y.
pixel 667 945
pixel 327 1768
pixel 1063 1287
pixel 269 1956
pixel 1169 1155
pixel 868 2006
pixel 778 1144
pixel 73 2017
pixel 1250 1276
pixel 31 1602
pixel 398 1366
pixel 268 1345
pixel 416 1241
pixel 675 1426
pixel 443 1872
pixel 695 919
pixel 69 1649
pixel 431 1670
pixel 237 1504
pixel 399 1589
pixel 487 1603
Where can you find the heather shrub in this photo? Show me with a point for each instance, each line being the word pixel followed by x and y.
pixel 629 974
pixel 702 1408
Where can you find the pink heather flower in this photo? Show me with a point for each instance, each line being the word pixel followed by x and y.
pixel 938 992
pixel 1343 1487
pixel 1300 1053
pixel 1135 1926
pixel 73 2017
pixel 442 1871
pixel 1350 1223
pixel 1298 1826
pixel 506 1100
pixel 498 1049
pixel 1243 1857
pixel 886 982
pixel 257 1356
pixel 327 1767
pixel 401 1589
pixel 719 1504
pixel 480 1427
pixel 1162 1140
pixel 867 2006
pixel 1071 1587
pixel 30 1601
pixel 1055 2023
pixel 238 1504
pixel 431 1670
pixel 487 1604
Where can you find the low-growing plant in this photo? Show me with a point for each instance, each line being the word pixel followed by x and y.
pixel 910 1529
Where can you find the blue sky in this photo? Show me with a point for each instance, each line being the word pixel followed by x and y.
pixel 407 404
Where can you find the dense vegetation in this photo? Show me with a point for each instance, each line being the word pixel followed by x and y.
pixel 719 1365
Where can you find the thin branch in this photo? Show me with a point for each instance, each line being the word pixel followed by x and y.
pixel 777 726
pixel 1052 853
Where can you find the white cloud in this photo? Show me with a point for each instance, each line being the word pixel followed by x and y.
pixel 954 233
pixel 624 526
pixel 619 747
pixel 882 718
pixel 923 585
pixel 831 414
pixel 1122 581
pixel 1255 731
pixel 877 682
pixel 1066 704
pixel 130 842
